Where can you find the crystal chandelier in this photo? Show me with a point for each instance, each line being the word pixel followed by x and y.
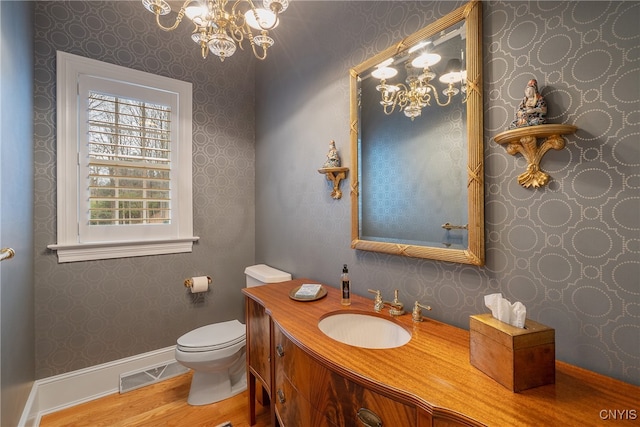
pixel 220 24
pixel 419 91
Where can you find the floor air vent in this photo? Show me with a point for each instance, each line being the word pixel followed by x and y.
pixel 150 375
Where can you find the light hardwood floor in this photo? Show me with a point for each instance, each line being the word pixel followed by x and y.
pixel 157 405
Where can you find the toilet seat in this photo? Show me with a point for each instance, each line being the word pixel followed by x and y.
pixel 217 336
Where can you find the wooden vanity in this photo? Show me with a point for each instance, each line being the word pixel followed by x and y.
pixel 312 380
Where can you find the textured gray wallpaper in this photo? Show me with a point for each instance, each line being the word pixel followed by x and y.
pixel 89 313
pixel 569 251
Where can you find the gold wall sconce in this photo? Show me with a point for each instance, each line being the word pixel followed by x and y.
pixel 335 175
pixel 524 140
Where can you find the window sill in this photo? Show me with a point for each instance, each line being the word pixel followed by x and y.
pixel 110 250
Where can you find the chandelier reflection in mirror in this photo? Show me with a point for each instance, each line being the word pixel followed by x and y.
pixel 220 24
pixel 419 90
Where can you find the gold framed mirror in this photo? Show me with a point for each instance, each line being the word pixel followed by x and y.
pixel 417 173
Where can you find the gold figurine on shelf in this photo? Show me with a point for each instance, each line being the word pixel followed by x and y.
pixel 332 170
pixel 524 132
pixel 532 109
pixel 333 158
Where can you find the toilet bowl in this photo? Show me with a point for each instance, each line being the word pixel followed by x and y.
pixel 216 352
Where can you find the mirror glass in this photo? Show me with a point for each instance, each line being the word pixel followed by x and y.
pixel 416 140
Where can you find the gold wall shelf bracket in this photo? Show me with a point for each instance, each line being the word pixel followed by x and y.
pixel 525 141
pixel 335 175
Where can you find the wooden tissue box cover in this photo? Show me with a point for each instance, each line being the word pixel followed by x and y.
pixel 517 358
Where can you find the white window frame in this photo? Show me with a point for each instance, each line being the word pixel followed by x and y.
pixel 73 243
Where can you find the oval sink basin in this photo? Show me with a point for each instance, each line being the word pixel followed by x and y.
pixel 364 330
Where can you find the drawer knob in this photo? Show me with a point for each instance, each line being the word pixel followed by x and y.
pixel 368 418
pixel 280 350
pixel 281 396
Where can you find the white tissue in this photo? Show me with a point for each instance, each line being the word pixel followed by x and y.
pixel 513 314
pixel 518 314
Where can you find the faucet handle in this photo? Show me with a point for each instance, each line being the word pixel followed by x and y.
pixel 378 304
pixel 416 315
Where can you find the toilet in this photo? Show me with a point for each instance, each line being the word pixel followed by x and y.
pixel 216 352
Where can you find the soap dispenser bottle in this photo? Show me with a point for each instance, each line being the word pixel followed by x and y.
pixel 346 286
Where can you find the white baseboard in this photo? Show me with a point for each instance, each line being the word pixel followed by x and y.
pixel 66 390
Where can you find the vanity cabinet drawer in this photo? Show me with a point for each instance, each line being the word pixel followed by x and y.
pixel 340 400
pixel 292 409
pixel 292 382
pixel 293 363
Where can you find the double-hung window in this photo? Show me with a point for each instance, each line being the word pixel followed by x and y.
pixel 124 162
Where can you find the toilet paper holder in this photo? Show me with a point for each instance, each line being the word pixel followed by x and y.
pixel 188 283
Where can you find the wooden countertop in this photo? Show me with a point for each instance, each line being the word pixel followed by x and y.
pixel 433 371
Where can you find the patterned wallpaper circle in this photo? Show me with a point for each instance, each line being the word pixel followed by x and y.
pixel 570 250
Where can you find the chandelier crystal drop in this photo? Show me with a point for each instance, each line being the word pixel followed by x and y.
pixel 221 45
pixel 221 26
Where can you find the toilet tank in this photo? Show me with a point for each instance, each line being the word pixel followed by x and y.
pixel 261 274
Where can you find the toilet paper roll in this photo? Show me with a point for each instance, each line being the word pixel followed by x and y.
pixel 200 284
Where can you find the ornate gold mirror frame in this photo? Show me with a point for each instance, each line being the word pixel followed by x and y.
pixel 474 253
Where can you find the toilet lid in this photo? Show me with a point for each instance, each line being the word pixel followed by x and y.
pixel 213 337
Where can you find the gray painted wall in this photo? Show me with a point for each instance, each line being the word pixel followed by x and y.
pixel 89 313
pixel 569 251
pixel 16 208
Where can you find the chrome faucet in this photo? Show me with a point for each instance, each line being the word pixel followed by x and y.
pixel 416 315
